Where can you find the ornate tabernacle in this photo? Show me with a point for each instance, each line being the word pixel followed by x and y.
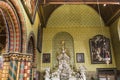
pixel 64 71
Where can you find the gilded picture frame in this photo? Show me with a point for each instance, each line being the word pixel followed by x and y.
pixel 30 7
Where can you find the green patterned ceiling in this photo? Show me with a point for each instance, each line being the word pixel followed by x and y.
pixel 74 16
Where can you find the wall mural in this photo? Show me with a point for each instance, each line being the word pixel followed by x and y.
pixel 30 7
pixel 100 49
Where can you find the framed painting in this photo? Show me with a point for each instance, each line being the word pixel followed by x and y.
pixel 100 50
pixel 30 7
pixel 80 57
pixel 39 38
pixel 46 58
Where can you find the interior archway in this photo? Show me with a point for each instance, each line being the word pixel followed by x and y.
pixel 31 46
pixel 15 27
pixel 3 32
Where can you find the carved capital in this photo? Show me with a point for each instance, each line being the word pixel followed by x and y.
pixel 6 57
pixel 25 57
pixel 29 57
pixel 18 56
pixel 14 56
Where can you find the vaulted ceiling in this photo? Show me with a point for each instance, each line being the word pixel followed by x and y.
pixel 109 10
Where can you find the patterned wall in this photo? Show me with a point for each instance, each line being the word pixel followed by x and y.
pixel 82 23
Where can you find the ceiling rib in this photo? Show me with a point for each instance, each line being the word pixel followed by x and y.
pixel 112 19
pixel 81 2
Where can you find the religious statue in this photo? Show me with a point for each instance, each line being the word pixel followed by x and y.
pixel 56 75
pixel 47 74
pixel 83 72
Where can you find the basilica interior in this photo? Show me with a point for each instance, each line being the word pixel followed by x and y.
pixel 59 40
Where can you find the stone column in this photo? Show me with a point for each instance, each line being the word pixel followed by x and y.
pixel 5 71
pixel 17 66
pixel 28 67
pixel 13 66
pixel 22 64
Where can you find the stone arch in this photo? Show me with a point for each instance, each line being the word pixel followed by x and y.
pixel 3 33
pixel 31 45
pixel 69 45
pixel 21 18
pixel 15 25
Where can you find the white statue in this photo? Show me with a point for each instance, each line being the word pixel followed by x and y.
pixel 83 72
pixel 72 75
pixel 56 75
pixel 64 71
pixel 47 74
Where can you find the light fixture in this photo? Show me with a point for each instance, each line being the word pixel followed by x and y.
pixel 104 5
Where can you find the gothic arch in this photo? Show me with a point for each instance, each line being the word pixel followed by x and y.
pixel 3 33
pixel 31 45
pixel 16 26
pixel 19 12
